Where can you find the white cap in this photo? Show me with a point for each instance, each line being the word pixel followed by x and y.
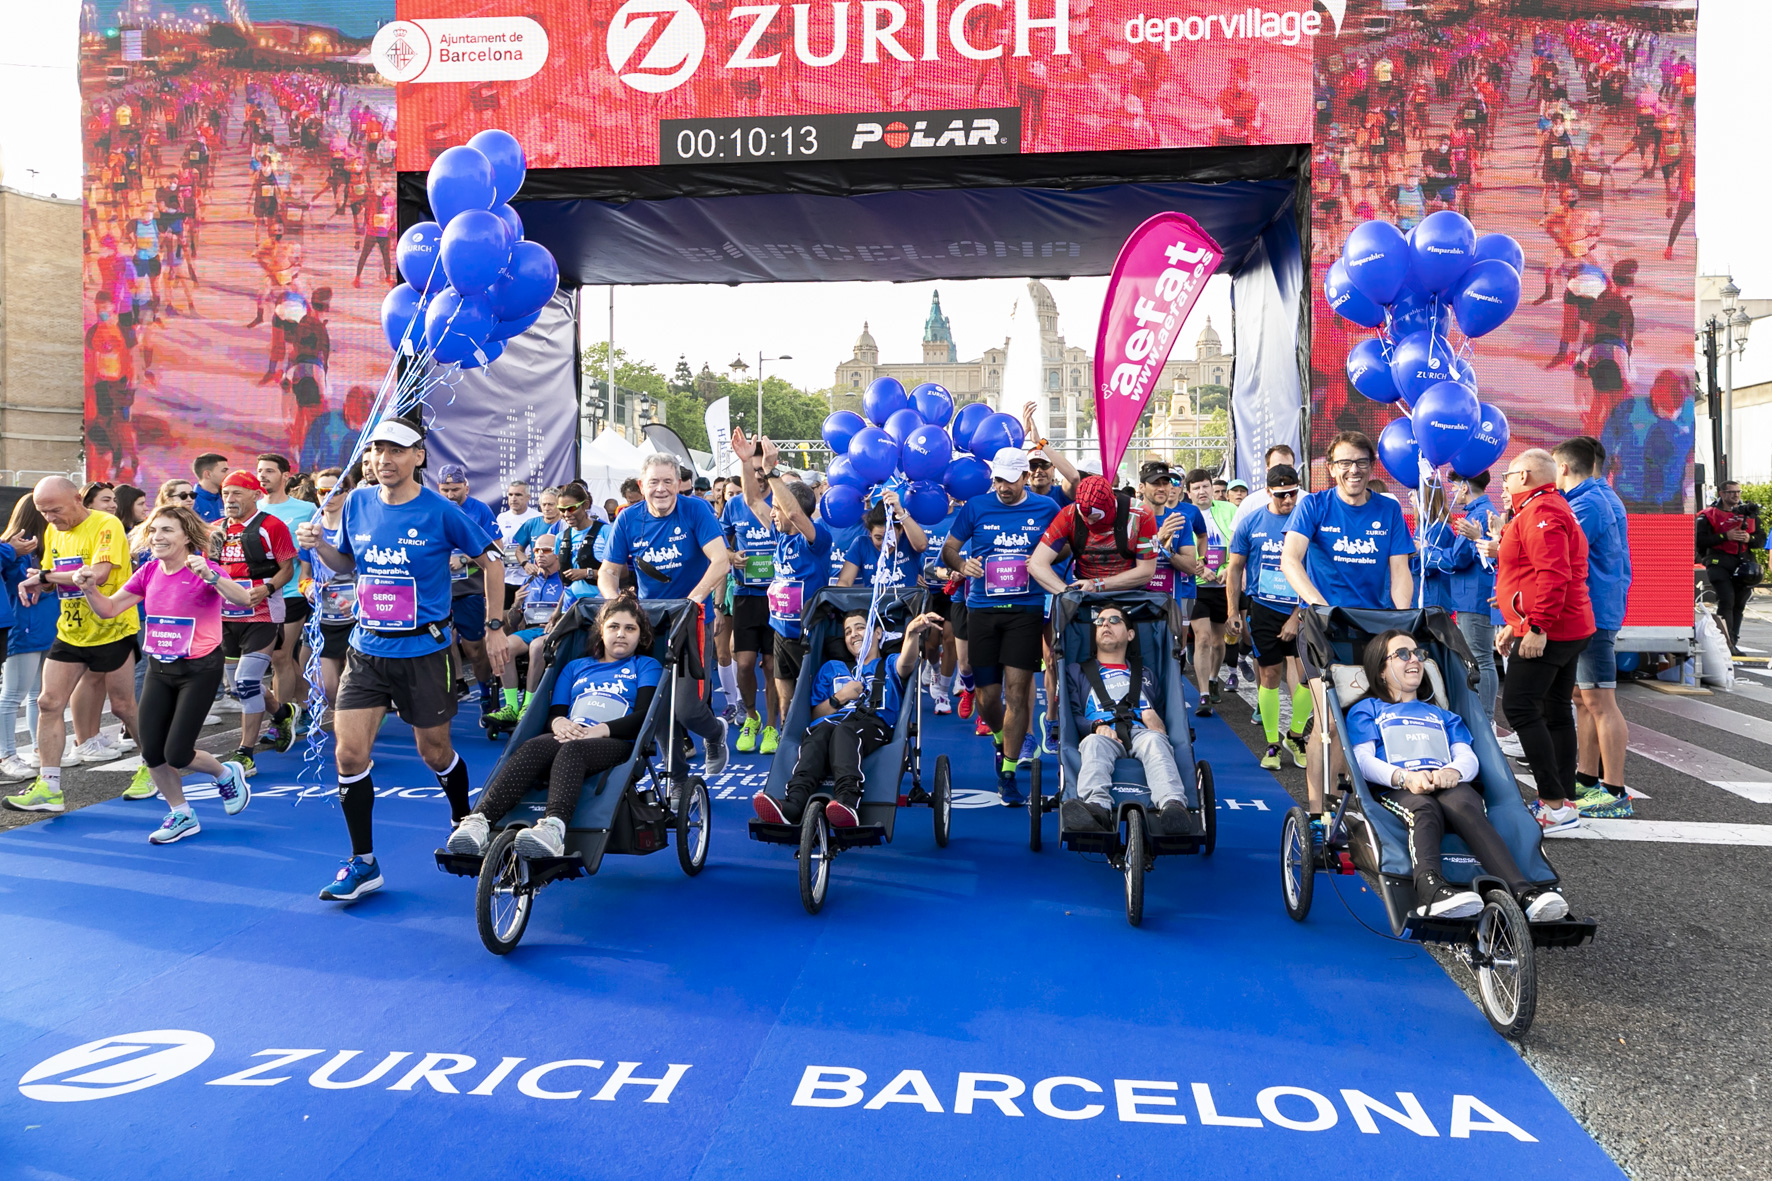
pixel 1011 463
pixel 1089 464
pixel 393 430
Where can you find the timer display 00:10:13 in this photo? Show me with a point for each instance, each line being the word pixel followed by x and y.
pixel 753 142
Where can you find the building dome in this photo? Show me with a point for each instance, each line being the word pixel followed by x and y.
pixel 1208 344
pixel 865 340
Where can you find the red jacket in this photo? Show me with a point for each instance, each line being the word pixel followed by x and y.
pixel 1541 579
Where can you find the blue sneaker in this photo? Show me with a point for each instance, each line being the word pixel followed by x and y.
pixel 231 784
pixel 357 878
pixel 179 824
pixel 1319 832
pixel 1030 750
pixel 1007 791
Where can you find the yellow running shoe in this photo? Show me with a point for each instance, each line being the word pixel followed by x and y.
pixel 142 786
pixel 747 737
pixel 771 740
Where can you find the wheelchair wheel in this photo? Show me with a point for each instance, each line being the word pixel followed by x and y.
pixel 815 857
pixel 941 802
pixel 503 897
pixel 1134 866
pixel 1298 863
pixel 1035 807
pixel 1507 973
pixel 694 826
pixel 1208 805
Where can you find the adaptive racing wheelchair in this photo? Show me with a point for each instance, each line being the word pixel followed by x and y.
pixel 1138 837
pixel 1363 836
pixel 624 810
pixel 818 842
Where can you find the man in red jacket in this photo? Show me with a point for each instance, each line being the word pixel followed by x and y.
pixel 1541 588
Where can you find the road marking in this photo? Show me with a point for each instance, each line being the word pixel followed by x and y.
pixel 1719 771
pixel 1752 690
pixel 1715 716
pixel 1683 832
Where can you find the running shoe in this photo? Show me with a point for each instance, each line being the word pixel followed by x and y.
pixel 967 699
pixel 841 815
pixel 248 768
pixel 469 837
pixel 546 839
pixel 1597 803
pixel 32 758
pixel 1545 906
pixel 771 740
pixel 1204 709
pixel 508 715
pixel 1270 761
pixel 288 718
pixel 1255 716
pixel 1178 820
pixel 1030 750
pixel 93 750
pixel 357 878
pixel 713 756
pixel 1319 832
pixel 141 787
pixel 1230 681
pixel 734 714
pixel 179 824
pixel 1007 791
pixel 979 728
pixel 231 786
pixel 1212 690
pixel 1077 816
pixel 767 809
pixel 1246 666
pixel 39 798
pixel 1554 820
pixel 1295 744
pixel 1050 746
pixel 15 769
pixel 1450 902
pixel 944 704
pixel 1510 745
pixel 121 741
pixel 747 735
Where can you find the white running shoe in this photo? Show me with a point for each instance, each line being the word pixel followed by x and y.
pixel 546 839
pixel 32 757
pixel 14 768
pixel 93 750
pixel 1547 906
pixel 120 740
pixel 469 837
pixel 1510 745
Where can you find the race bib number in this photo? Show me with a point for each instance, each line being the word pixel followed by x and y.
pixel 1005 576
pixel 168 637
pixel 759 567
pixel 1214 556
pixel 1163 582
pixel 1415 745
pixel 230 611
pixel 388 601
pixel 537 612
pixel 68 566
pixel 785 598
pixel 459 574
pixel 1272 584
pixel 338 602
pixel 590 708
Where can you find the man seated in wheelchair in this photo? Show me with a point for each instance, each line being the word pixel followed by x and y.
pixel 534 607
pixel 854 712
pixel 1418 761
pixel 600 702
pixel 1110 696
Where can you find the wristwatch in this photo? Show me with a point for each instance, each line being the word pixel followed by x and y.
pixel 495 625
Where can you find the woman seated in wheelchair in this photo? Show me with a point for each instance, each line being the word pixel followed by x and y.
pixel 1417 758
pixel 599 705
pixel 854 712
pixel 1115 721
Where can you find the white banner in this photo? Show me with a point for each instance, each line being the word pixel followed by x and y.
pixel 719 422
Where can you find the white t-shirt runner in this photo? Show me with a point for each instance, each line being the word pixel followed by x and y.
pixel 508 524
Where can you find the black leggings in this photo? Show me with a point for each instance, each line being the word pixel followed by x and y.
pixel 564 766
pixel 1538 698
pixel 176 697
pixel 1458 809
pixel 835 749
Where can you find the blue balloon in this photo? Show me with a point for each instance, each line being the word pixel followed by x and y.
pixel 995 433
pixel 512 222
pixel 1445 416
pixel 1399 454
pixel 476 247
pixel 885 397
pixel 398 309
pixel 901 423
pixel 1346 300
pixel 840 427
pixel 1377 260
pixel 841 471
pixel 420 257
pixel 456 324
pixel 1429 319
pixel 527 282
pixel 491 350
pixel 505 154
pixel 1488 442
pixel 1486 296
pixel 842 507
pixel 1421 359
pixel 925 453
pixel 966 422
pixel 1369 371
pixel 926 502
pixel 1441 246
pixel 1502 247
pixel 874 454
pixel 933 404
pixel 506 329
pixel 460 179
pixel 967 476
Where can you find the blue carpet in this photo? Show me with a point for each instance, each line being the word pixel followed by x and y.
pixel 931 976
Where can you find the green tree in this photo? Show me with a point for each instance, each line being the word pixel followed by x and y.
pixel 682 408
pixel 1212 397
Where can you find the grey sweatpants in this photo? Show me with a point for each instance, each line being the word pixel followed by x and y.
pixel 1149 747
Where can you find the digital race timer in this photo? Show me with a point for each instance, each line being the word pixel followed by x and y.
pixel 876 135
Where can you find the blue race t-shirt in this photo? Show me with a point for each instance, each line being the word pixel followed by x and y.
pixel 402 557
pixel 468 580
pixel 1351 546
pixel 1193 526
pixel 539 595
pixel 1116 679
pixel 802 569
pixel 1259 539
pixel 866 555
pixel 1413 735
pixel 534 527
pixel 834 674
pixel 603 690
pixel 841 540
pixel 671 545
pixel 938 537
pixel 754 540
pixel 1001 536
pixel 208 504
pixel 291 512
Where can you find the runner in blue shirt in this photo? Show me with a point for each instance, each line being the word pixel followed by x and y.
pixel 751 540
pixel 1005 608
pixel 863 557
pixel 292 686
pixel 580 538
pixel 467 587
pixel 941 646
pixel 397 538
pixel 1264 606
pixel 678 552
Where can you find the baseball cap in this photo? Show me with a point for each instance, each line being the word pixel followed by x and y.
pixel 1155 472
pixel 452 473
pixel 702 485
pixel 1282 477
pixel 1089 464
pixel 401 432
pixel 1243 484
pixel 244 479
pixel 1011 463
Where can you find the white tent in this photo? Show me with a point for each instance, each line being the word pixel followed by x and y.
pixel 604 462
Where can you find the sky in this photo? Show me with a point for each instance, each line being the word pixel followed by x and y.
pixel 817 323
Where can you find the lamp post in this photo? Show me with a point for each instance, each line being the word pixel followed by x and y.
pixel 1724 337
pixel 760 359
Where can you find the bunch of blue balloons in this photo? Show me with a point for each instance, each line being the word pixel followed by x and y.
pixel 915 444
pixel 472 280
pixel 1412 288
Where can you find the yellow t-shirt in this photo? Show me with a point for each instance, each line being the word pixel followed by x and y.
pixel 99 538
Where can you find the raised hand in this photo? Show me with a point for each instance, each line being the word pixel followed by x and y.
pixel 742 446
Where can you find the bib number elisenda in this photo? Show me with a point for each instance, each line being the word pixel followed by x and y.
pixel 1005 576
pixel 168 637
pixel 387 601
pixel 785 598
pixel 1414 745
pixel 590 708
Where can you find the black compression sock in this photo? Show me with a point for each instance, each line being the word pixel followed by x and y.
pixel 454 782
pixel 1585 780
pixel 356 796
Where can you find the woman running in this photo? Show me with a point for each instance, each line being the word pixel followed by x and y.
pixel 183 591
pixel 600 702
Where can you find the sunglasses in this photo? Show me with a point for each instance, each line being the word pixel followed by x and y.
pixel 1104 620
pixel 183 496
pixel 570 508
pixel 1285 495
pixel 1039 465
pixel 1408 655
